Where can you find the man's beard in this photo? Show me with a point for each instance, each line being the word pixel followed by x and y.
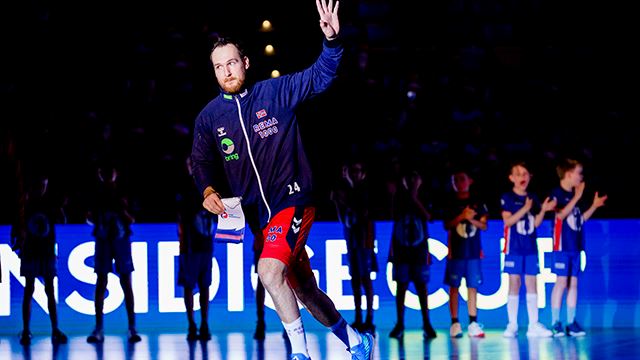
pixel 234 86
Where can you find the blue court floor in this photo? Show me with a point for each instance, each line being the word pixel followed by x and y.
pixel 619 344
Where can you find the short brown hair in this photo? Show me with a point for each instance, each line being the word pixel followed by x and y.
pixel 565 166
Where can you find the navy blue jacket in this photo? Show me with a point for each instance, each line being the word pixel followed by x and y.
pixel 256 134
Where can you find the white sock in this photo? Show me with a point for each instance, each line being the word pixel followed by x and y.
pixel 532 307
pixel 513 301
pixel 340 330
pixel 297 337
pixel 354 337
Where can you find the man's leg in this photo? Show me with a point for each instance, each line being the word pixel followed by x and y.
pixel 320 305
pixel 286 234
pixel 317 302
pixel 291 227
pixel 272 275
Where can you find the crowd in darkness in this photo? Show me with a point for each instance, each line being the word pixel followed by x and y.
pixel 429 85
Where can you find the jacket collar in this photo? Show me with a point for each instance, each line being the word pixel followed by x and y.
pixel 229 97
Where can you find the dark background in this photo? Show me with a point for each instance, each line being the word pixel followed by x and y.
pixel 490 81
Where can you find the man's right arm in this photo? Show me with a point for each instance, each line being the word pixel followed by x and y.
pixel 202 156
pixel 203 164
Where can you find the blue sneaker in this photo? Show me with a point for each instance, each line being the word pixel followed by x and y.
pixel 364 350
pixel 557 329
pixel 574 329
pixel 299 357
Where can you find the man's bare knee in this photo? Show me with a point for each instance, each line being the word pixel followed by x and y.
pixel 271 273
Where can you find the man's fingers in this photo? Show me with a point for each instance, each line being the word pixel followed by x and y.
pixel 319 6
pixel 206 206
pixel 212 207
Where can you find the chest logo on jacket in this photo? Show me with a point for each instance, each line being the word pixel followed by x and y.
pixel 265 128
pixel 228 147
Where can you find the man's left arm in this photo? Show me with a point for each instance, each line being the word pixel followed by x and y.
pixel 319 76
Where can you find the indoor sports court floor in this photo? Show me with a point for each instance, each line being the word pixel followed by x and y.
pixel 619 344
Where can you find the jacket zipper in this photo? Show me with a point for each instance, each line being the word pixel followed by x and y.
pixel 253 163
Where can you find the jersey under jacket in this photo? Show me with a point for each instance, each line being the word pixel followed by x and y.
pixel 256 134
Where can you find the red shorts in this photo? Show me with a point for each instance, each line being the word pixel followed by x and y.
pixel 285 238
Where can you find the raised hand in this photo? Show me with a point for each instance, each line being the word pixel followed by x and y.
pixel 549 204
pixel 468 213
pixel 329 23
pixel 599 200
